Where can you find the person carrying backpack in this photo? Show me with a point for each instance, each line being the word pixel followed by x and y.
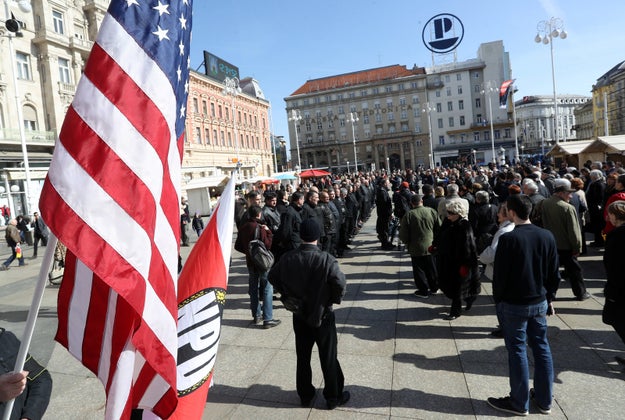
pixel 250 231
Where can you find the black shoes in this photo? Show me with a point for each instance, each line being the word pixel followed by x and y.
pixel 469 303
pixel 505 404
pixel 332 404
pixel 421 294
pixel 498 332
pixel 542 410
pixel 451 317
pixel 271 323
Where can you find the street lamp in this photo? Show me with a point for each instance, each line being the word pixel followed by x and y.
pixel 232 88
pixel 13 31
pixel 428 108
pixel 296 117
pixel 353 118
pixel 488 88
pixel 547 30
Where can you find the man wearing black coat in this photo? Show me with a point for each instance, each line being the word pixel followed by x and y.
pixel 384 204
pixel 317 284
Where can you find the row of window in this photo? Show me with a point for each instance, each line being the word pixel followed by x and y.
pixel 219 111
pixel 477 136
pixel 226 139
pixel 24 68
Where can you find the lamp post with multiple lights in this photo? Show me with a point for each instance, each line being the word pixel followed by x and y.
pixel 428 108
pixel 296 117
pixel 547 31
pixel 353 118
pixel 488 88
pixel 13 28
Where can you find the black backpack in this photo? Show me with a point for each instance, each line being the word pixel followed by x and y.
pixel 261 257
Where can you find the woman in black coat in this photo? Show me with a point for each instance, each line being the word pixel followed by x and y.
pixel 456 257
pixel 614 309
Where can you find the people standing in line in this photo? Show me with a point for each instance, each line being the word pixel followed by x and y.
pixel 197 224
pixel 525 282
pixel 417 229
pixel 40 232
pixel 384 207
pixel 13 238
pixel 311 210
pixel 328 197
pixel 614 308
pixel 329 223
pixel 288 233
pixel 318 285
pixel 258 287
pixel 594 197
pixel 456 259
pixel 560 218
pixel 270 215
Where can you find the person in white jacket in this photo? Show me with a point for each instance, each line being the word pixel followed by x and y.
pixel 488 255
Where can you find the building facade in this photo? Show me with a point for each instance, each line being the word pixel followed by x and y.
pixel 396 118
pixel 48 55
pixel 608 98
pixel 225 132
pixel 536 117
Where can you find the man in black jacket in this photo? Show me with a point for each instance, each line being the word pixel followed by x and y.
pixel 40 234
pixel 311 278
pixel 31 388
pixel 525 282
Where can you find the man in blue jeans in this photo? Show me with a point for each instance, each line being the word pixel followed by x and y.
pixel 525 281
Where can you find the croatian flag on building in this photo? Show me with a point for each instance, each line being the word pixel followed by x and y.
pixel 112 197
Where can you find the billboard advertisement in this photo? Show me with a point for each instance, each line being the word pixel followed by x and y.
pixel 219 69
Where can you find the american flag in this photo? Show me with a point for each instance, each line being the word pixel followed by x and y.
pixel 112 197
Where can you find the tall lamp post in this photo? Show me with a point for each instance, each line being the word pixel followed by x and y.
pixel 296 117
pixel 428 108
pixel 353 118
pixel 488 88
pixel 547 30
pixel 232 88
pixel 14 31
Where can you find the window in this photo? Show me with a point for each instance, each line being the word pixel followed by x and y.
pixel 23 66
pixel 440 123
pixel 477 89
pixel 207 137
pixel 451 121
pixel 476 136
pixel 439 107
pixel 458 76
pixel 220 111
pixel 450 106
pixel 459 90
pixel 438 93
pixel 376 105
pixel 308 127
pixel 447 78
pixel 319 125
pixel 223 138
pixel 57 20
pixel 227 110
pixel 213 111
pixel 404 115
pixel 388 89
pixel 462 120
pixel 341 109
pixel 376 90
pixel 390 116
pixel 64 75
pixel 417 127
pixel 413 85
pixel 204 109
pixel 507 133
pixel 404 127
pixel 195 103
pixel 478 102
pixel 215 139
pixel 365 119
pixel 363 92
pixel 441 140
pixel 402 101
pixel 339 97
pixel 486 135
pixel 229 140
pixel 415 99
pixel 497 134
pixel 378 117
pixel 391 128
pixel 342 122
pixel 448 91
pixel 198 135
pixel 352 108
pixel 461 104
pixel 351 95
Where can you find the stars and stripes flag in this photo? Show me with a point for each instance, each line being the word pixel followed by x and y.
pixel 201 297
pixel 504 91
pixel 112 197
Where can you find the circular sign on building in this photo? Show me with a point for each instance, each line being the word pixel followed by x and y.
pixel 443 33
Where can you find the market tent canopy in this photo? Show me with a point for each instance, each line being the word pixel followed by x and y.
pixel 607 145
pixel 313 173
pixel 569 147
pixel 208 181
pixel 284 176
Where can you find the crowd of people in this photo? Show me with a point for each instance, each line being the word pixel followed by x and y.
pixel 461 225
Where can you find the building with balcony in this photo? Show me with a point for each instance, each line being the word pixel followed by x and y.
pixel 608 98
pixel 402 118
pixel 50 51
pixel 535 121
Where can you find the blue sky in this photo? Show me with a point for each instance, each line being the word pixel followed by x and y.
pixel 284 43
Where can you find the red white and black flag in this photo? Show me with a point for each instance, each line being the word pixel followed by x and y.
pixel 504 90
pixel 112 197
pixel 201 297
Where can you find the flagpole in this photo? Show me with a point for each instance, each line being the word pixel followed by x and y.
pixel 32 314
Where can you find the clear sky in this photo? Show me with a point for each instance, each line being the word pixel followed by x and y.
pixel 282 44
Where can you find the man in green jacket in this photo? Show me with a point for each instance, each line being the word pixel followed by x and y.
pixel 560 217
pixel 417 230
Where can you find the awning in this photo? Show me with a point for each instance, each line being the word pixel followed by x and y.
pixel 569 147
pixel 207 182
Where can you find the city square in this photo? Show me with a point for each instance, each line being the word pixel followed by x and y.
pixel 400 358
